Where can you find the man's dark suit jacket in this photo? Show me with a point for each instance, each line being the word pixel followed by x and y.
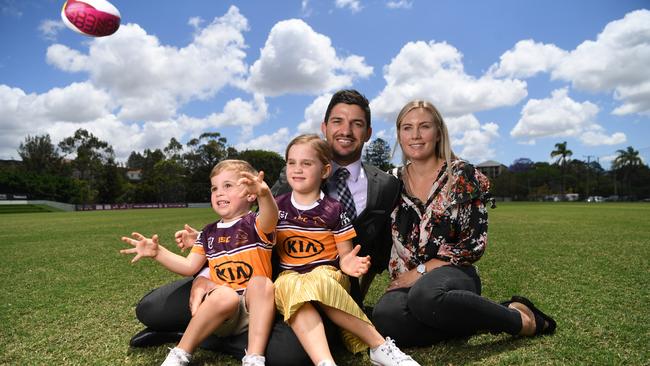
pixel 373 224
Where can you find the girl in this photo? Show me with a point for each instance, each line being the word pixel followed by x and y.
pixel 315 250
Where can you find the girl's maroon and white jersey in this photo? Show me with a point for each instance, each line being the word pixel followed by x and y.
pixel 307 235
pixel 236 251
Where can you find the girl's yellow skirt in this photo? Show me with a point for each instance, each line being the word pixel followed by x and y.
pixel 324 284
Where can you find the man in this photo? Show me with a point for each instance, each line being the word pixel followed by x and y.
pixel 346 127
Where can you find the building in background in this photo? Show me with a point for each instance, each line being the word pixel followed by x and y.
pixel 491 168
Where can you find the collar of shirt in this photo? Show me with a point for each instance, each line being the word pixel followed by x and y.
pixel 354 169
pixel 357 183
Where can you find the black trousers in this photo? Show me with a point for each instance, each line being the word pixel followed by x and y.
pixel 167 309
pixel 445 303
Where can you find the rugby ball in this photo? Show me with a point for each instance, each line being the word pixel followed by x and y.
pixel 95 18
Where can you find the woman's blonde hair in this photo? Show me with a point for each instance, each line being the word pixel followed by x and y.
pixel 443 146
pixel 323 150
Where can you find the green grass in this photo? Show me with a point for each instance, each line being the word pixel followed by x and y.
pixel 11 209
pixel 67 296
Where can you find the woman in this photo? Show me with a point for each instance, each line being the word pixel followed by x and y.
pixel 439 229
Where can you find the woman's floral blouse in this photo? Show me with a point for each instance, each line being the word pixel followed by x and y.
pixel 451 225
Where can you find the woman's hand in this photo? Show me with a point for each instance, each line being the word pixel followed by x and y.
pixel 404 280
pixel 352 265
pixel 409 278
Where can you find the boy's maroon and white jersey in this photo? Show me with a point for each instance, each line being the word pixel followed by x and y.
pixel 236 251
pixel 307 235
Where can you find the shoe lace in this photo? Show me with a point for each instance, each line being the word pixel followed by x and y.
pixel 394 352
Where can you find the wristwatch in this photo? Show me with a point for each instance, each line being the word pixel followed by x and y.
pixel 421 268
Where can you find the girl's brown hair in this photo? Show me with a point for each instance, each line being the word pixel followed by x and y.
pixel 323 150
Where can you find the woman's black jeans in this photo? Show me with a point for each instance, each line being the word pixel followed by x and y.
pixel 445 303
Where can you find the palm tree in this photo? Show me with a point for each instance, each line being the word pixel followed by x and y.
pixel 626 162
pixel 563 154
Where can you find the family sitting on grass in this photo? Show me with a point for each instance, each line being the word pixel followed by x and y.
pixel 425 221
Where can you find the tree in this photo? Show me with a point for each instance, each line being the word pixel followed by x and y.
pixel 203 153
pixel 135 161
pixel 378 154
pixel 91 156
pixel 268 161
pixel 39 155
pixel 562 154
pixel 112 183
pixel 626 163
pixel 521 165
pixel 173 150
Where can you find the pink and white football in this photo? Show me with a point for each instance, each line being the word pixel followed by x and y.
pixel 96 18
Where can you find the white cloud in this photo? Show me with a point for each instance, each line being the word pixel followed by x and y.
pixel 296 59
pixel 617 61
pixel 636 98
pixel 50 29
pixel 275 142
pixel 561 116
pixel 314 115
pixel 399 4
pixel 133 66
pixel 195 22
pixel 305 9
pixel 353 5
pixel 236 112
pixel 527 59
pixel 434 72
pixel 469 139
pixel 597 137
pixel 9 8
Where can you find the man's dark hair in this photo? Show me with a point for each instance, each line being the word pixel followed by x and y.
pixel 349 96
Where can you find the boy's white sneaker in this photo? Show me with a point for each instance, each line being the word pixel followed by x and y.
pixel 177 357
pixel 389 355
pixel 253 360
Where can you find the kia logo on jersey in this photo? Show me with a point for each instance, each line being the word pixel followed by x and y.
pixel 302 247
pixel 234 272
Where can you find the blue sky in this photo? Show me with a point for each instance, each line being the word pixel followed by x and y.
pixel 511 78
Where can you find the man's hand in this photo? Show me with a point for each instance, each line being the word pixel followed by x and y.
pixel 354 266
pixel 200 287
pixel 142 246
pixel 186 238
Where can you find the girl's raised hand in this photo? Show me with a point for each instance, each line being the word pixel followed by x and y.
pixel 142 246
pixel 354 266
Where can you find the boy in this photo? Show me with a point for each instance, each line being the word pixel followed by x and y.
pixel 238 248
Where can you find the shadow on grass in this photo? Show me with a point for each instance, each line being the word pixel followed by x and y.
pixel 462 351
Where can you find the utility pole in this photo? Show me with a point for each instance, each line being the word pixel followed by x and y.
pixel 588 171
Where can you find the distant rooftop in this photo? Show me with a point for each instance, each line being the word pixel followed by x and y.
pixel 489 163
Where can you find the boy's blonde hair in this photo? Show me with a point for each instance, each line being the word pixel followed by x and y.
pixel 323 150
pixel 232 164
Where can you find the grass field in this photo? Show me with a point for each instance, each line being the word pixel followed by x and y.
pixel 67 296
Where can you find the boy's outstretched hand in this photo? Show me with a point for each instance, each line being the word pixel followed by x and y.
pixel 186 238
pixel 142 246
pixel 354 266
pixel 253 184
